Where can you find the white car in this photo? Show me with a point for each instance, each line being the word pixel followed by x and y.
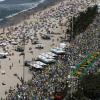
pixel 39 46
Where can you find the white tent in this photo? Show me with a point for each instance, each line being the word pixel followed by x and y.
pixel 62 45
pixel 52 54
pixel 45 60
pixel 3 44
pixel 57 50
pixel 2 53
pixel 40 63
pixel 14 43
pixel 37 66
pixel 47 56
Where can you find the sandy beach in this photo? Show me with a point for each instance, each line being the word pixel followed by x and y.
pixel 54 19
pixel 9 79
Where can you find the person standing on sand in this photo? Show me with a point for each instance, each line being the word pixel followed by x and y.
pixel 19 61
pixel 5 92
pixel 12 64
pixel 9 58
pixel 0 66
pixel 10 67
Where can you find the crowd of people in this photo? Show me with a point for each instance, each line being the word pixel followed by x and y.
pixel 51 20
pixel 44 82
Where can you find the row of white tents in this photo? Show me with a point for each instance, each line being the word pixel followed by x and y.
pixel 49 57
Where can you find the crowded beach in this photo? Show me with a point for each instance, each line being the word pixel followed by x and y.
pixel 41 38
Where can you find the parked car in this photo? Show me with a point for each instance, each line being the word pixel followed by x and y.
pixel 39 46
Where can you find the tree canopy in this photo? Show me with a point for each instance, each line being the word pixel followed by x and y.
pixel 81 22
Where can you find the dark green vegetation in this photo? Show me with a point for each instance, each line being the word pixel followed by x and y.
pixel 81 22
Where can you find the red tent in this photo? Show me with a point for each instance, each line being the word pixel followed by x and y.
pixel 58 97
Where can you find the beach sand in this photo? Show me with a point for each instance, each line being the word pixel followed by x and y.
pixel 9 79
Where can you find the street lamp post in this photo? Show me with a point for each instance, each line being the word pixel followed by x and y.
pixel 23 57
pixel 72 33
pixel 23 79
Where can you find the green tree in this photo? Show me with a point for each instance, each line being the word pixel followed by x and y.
pixel 81 22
